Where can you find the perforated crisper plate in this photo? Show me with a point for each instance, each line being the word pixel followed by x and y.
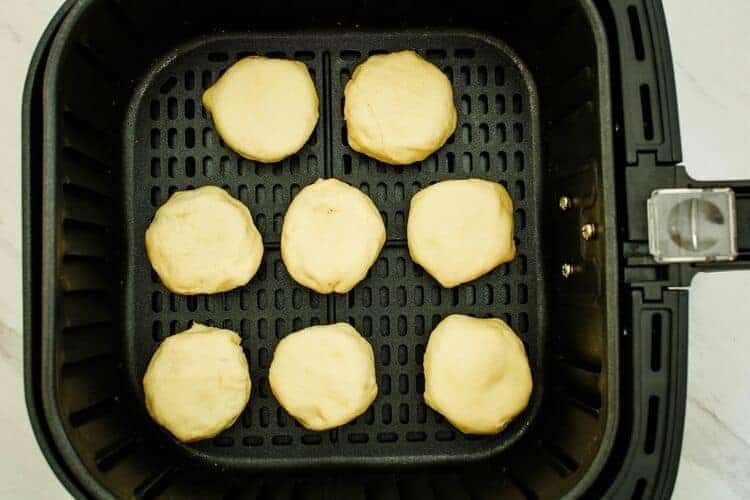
pixel 171 145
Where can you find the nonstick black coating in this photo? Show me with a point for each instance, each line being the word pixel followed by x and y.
pixel 170 145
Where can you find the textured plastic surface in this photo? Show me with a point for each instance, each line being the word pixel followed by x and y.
pixel 173 146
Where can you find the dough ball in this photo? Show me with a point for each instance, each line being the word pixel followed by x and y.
pixel 264 109
pixel 197 382
pixel 398 108
pixel 476 373
pixel 324 375
pixel 331 236
pixel 459 230
pixel 203 241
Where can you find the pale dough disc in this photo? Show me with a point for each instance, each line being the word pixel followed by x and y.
pixel 197 382
pixel 324 376
pixel 203 241
pixel 476 373
pixel 459 230
pixel 264 109
pixel 398 108
pixel 331 236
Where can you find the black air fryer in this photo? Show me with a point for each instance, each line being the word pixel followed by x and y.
pixel 568 103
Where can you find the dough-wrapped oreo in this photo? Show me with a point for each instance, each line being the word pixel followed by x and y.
pixel 398 108
pixel 264 109
pixel 331 236
pixel 197 382
pixel 203 241
pixel 476 373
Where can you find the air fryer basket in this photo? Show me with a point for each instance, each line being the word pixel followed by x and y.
pixel 398 304
pixel 122 126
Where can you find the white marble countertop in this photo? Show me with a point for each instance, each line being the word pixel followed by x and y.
pixel 710 44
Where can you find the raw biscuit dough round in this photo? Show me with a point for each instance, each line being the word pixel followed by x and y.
pixel 476 373
pixel 203 241
pixel 332 234
pixel 398 108
pixel 324 376
pixel 458 230
pixel 264 109
pixel 197 382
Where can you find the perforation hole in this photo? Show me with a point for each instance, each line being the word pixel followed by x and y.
pixel 449 73
pixel 155 138
pixel 523 293
pixel 385 384
pixel 403 356
pixel 206 79
pixel 520 194
pixel 466 163
pixel 155 196
pixel 517 132
pixel 445 435
pixel 416 436
pixel 523 322
pixel 387 437
pixel 451 162
pixel 344 76
pixel 385 355
pixel 466 104
pixel 401 327
pixel 223 441
pixel 311 439
pixel 520 217
pixel 483 104
pixel 386 414
pixel 218 56
pixel 190 167
pixel 482 75
pixel 500 104
pixel 518 161
pixel 499 75
pixel 419 325
pixel 172 108
pixel 502 132
pixel 403 413
pixel 157 331
pixel 154 110
pixel 466 133
pixel 465 75
pixel 172 167
pixel 304 55
pixel 168 86
pixel 282 440
pixel 189 109
pixel 435 54
pixel 155 167
pixel 358 438
pixel 350 55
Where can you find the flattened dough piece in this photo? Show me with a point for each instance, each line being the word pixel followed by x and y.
pixel 398 108
pixel 331 236
pixel 459 230
pixel 264 109
pixel 324 376
pixel 203 241
pixel 197 382
pixel 476 373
